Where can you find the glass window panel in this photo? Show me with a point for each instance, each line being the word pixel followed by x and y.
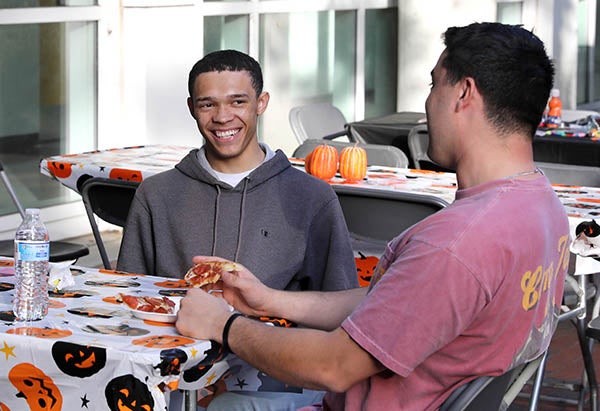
pixel 510 12
pixel 307 57
pixel 47 104
pixel 381 61
pixel 13 4
pixel 226 32
pixel 583 53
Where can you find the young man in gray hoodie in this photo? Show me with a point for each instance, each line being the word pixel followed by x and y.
pixel 235 198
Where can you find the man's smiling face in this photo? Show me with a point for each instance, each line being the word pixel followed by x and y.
pixel 226 109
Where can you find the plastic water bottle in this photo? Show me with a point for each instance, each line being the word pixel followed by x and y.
pixel 554 118
pixel 32 251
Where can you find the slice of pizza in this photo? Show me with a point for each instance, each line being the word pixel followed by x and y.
pixel 162 305
pixel 208 272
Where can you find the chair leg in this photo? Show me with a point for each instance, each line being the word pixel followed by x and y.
pixel 97 236
pixel 590 372
pixel 537 384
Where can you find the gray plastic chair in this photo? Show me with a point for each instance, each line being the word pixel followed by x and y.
pixel 418 142
pixel 374 217
pixel 379 155
pixel 570 116
pixel 109 199
pixel 571 174
pixel 318 121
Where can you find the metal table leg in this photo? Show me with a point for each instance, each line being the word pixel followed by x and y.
pixel 189 400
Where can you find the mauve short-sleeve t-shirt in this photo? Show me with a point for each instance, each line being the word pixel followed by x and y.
pixel 474 289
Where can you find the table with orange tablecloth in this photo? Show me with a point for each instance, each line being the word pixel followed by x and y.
pixel 95 353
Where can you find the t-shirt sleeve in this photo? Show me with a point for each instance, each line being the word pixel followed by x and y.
pixel 417 306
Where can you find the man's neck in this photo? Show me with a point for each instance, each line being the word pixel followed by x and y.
pixel 252 157
pixel 507 157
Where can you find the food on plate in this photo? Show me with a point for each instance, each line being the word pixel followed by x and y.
pixel 208 272
pixel 161 305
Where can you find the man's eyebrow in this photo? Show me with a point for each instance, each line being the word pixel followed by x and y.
pixel 230 96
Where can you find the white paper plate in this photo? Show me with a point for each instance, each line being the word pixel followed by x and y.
pixel 159 317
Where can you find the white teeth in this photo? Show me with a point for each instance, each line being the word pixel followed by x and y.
pixel 225 134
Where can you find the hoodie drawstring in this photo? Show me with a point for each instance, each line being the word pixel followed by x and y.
pixel 214 247
pixel 242 215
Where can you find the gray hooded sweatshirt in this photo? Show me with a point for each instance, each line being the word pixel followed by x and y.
pixel 284 225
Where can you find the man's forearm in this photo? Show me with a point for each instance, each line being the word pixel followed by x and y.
pixel 309 358
pixel 315 309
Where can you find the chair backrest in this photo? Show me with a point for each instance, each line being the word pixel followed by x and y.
pixel 316 121
pixel 374 217
pixel 109 199
pixel 574 115
pixel 571 174
pixel 379 155
pixel 418 142
pixel 497 393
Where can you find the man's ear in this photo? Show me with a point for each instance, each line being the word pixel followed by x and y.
pixel 190 104
pixel 263 102
pixel 466 92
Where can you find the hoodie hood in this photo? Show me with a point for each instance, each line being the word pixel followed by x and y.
pixel 191 167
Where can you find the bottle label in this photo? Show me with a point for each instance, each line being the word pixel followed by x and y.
pixel 32 250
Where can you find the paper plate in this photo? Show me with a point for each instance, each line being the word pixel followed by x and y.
pixel 159 317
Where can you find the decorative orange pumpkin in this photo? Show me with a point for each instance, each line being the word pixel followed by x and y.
pixel 323 162
pixel 307 162
pixel 353 163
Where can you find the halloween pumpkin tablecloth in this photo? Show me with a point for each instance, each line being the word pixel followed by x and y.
pixel 90 352
pixel 137 163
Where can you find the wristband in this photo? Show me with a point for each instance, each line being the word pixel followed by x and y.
pixel 226 329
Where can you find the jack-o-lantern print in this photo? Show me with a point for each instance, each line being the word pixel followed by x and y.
pixel 171 360
pixel 181 283
pixel 277 322
pixel 163 341
pixel 365 268
pixel 35 387
pixel 40 332
pixel 127 393
pixel 213 354
pixel 8 316
pixel 78 360
pixel 59 169
pixel 125 174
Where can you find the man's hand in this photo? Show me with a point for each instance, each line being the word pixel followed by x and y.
pixel 202 315
pixel 242 289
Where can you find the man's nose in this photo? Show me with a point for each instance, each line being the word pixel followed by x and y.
pixel 223 114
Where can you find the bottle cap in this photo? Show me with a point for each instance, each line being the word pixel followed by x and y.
pixel 32 211
pixel 555 92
